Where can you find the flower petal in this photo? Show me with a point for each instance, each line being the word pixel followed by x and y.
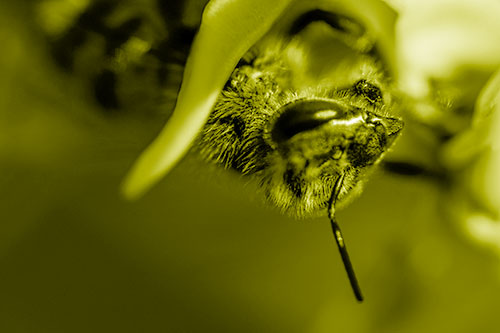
pixel 228 30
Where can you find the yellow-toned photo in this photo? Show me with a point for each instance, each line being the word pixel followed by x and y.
pixel 249 166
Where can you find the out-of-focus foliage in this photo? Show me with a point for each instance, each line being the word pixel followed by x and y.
pixel 449 56
pixel 195 255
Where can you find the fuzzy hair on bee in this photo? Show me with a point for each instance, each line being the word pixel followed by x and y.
pixel 295 122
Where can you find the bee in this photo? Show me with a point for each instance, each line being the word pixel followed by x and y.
pixel 308 129
pixel 307 113
pixel 296 130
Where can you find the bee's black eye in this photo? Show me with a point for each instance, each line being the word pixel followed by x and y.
pixel 305 115
pixel 370 92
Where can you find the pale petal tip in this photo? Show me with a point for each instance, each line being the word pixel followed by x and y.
pixel 133 187
pixel 141 178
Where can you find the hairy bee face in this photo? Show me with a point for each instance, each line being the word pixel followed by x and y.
pixel 300 111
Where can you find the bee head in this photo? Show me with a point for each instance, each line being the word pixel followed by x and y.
pixel 321 139
pixel 307 122
pixel 302 107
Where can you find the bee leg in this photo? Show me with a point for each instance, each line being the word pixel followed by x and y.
pixel 339 238
pixel 411 169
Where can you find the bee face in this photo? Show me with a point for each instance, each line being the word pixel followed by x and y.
pixel 316 141
pixel 326 134
pixel 298 113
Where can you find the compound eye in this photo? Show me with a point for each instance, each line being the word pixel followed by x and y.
pixel 369 91
pixel 305 115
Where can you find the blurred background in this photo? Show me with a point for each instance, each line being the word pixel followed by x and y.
pixel 200 253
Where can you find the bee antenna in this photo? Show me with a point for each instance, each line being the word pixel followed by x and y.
pixel 339 238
